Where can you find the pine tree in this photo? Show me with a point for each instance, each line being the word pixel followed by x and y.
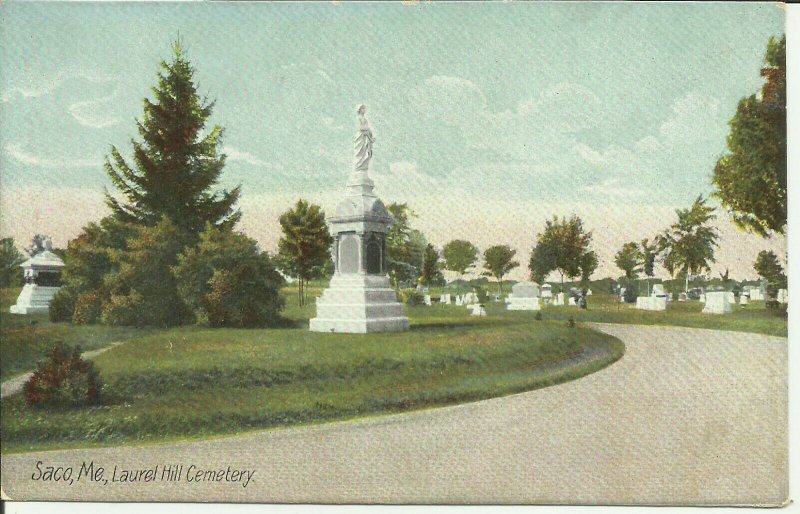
pixel 176 164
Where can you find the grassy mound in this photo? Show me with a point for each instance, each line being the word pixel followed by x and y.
pixel 192 382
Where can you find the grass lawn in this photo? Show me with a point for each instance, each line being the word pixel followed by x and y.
pixel 755 317
pixel 193 382
pixel 24 339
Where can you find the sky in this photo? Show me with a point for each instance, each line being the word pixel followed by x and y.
pixel 489 118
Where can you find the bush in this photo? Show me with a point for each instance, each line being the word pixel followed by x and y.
pixel 87 308
pixel 62 305
pixel 227 282
pixel 63 379
pixel 538 316
pixel 412 297
pixel 123 310
pixel 571 322
pixel 237 299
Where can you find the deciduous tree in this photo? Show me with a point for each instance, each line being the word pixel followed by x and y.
pixel 751 178
pixel 499 261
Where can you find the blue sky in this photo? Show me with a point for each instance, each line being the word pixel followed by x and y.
pixel 489 118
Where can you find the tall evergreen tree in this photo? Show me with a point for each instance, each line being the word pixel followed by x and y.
pixel 176 164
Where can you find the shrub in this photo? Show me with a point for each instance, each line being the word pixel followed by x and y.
pixel 571 322
pixel 412 297
pixel 228 282
pixel 242 297
pixel 538 316
pixel 63 379
pixel 123 310
pixel 87 308
pixel 62 305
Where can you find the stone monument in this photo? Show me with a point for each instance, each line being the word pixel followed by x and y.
pixel 657 301
pixel 717 302
pixel 360 298
pixel 524 297
pixel 42 275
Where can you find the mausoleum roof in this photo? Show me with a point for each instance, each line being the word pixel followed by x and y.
pixel 45 259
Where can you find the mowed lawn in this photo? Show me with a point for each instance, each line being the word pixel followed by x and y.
pixel 193 382
pixel 604 308
pixel 24 340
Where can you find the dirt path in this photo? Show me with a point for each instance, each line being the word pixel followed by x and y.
pixel 686 416
pixel 14 385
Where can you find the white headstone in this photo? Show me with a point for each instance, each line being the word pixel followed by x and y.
pixel 651 303
pixel 588 292
pixel 743 299
pixel 783 296
pixel 717 302
pixel 559 299
pixel 546 291
pixel 476 310
pixel 524 297
pixel 658 290
pixel 571 301
pixel 427 300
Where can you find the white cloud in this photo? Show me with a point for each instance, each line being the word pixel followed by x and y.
pixel 613 188
pixel 16 152
pixel 48 85
pixel 90 113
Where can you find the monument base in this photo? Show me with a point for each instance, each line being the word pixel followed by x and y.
pixel 34 299
pixel 523 304
pixel 359 304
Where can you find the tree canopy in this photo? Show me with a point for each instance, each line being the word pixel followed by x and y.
pixel 560 247
pixel 688 245
pixel 175 165
pixel 769 268
pixel 751 178
pixel 304 247
pixel 405 246
pixel 629 259
pixel 459 256
pixel 431 274
pixel 499 261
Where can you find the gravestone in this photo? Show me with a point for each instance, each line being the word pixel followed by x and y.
pixel 559 299
pixel 744 299
pixel 42 275
pixel 476 309
pixel 717 302
pixel 524 296
pixel 360 298
pixel 783 296
pixel 547 291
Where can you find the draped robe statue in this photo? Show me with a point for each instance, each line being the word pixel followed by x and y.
pixel 362 143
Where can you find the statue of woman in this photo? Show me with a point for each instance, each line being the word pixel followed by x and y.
pixel 362 143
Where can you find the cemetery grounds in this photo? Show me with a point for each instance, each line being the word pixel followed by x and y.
pixel 190 383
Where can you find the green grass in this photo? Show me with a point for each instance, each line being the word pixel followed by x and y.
pixel 755 318
pixel 25 339
pixel 192 382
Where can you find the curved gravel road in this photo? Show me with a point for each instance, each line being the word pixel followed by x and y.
pixel 686 416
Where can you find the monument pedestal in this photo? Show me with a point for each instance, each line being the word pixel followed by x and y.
pixel 34 299
pixel 359 304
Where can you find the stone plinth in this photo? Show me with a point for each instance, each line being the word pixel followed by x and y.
pixel 652 303
pixel 34 299
pixel 717 302
pixel 359 304
pixel 524 297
